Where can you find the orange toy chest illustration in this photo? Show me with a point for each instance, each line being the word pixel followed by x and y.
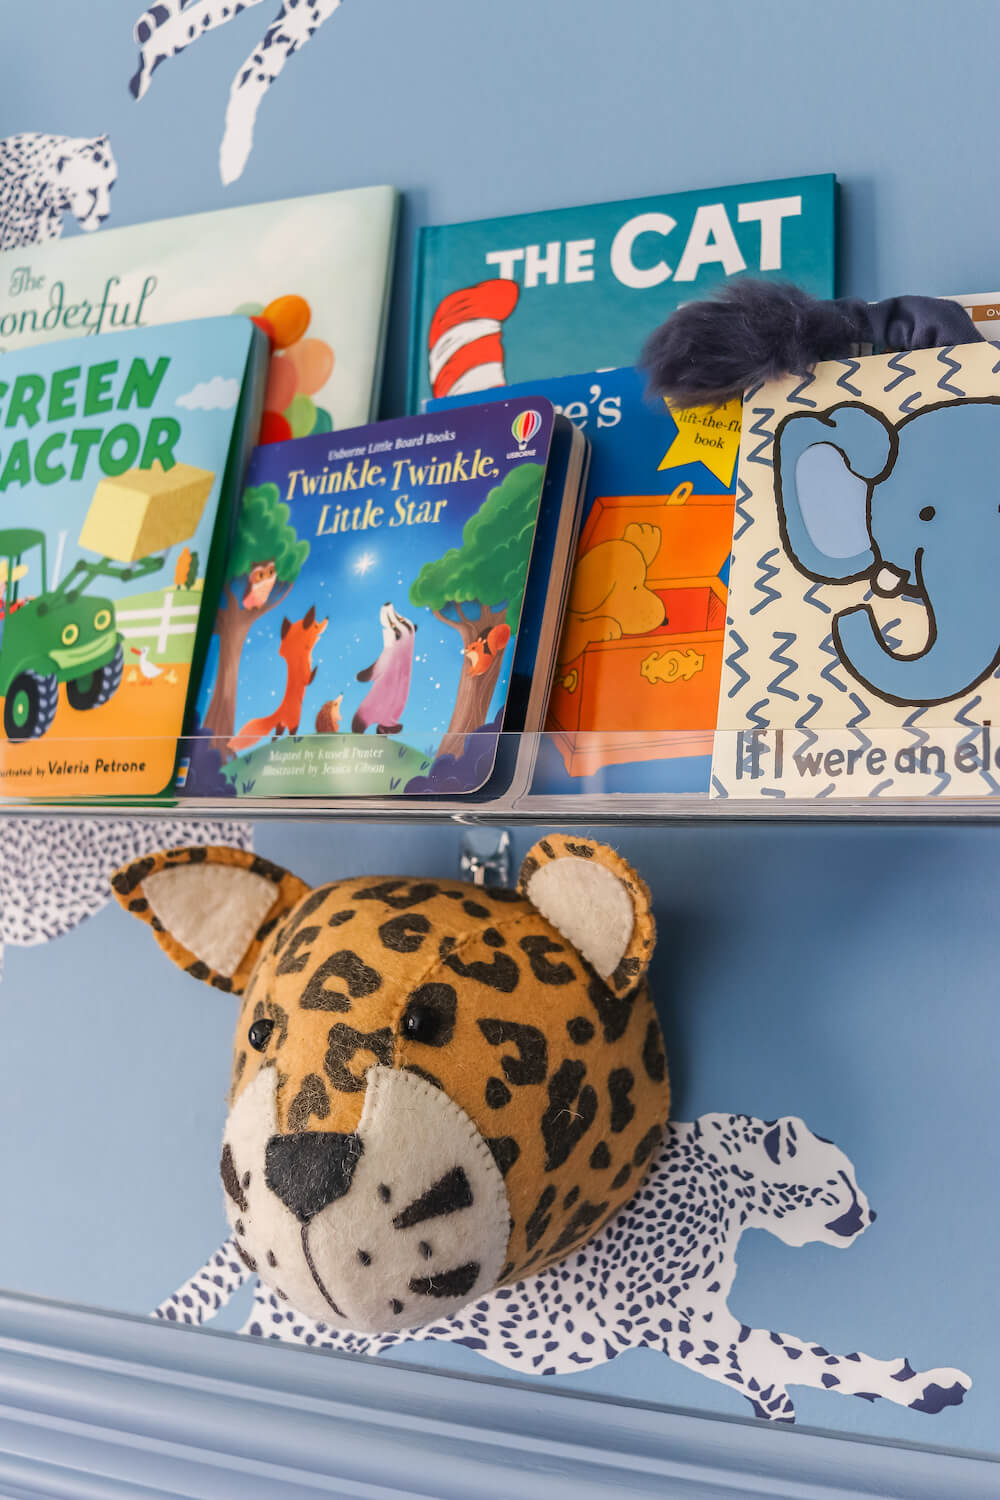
pixel 641 654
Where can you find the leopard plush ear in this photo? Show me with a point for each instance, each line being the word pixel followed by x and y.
pixel 597 901
pixel 211 908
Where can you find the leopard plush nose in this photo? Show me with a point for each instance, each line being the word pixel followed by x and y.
pixel 311 1169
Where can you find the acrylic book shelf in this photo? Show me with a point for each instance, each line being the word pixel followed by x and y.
pixel 964 781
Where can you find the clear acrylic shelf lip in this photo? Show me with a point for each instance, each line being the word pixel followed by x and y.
pixel 627 776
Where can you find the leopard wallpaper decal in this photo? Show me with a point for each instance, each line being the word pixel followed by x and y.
pixel 436 1088
pixel 169 27
pixel 659 1276
pixel 54 871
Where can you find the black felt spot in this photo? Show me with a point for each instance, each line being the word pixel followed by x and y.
pixel 545 972
pixel 600 1157
pixel 620 1084
pixel 138 904
pixel 454 1283
pixel 625 974
pixel 621 1177
pixel 344 1043
pixel 230 1179
pixel 532 1062
pixel 246 1258
pixel 359 977
pixel 265 868
pixel 405 933
pixel 571 1112
pixel 271 1258
pixel 539 1219
pixel 505 1152
pixel 647 1145
pixel 580 851
pixel 497 1093
pixel 312 1099
pixel 581 1031
pixel 501 973
pixel 494 939
pixel 585 1217
pixel 399 894
pixel 384 1192
pixel 547 849
pixel 295 943
pixel 126 880
pixel 449 1194
pixel 198 970
pixel 571 1197
pixel 340 917
pixel 473 909
pixel 529 867
pixel 364 1257
pixel 266 928
pixel 653 1057
pixel 613 1011
pixel 396 1305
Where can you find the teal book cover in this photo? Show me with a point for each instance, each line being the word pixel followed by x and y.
pixel 119 455
pixel 500 301
pixel 371 608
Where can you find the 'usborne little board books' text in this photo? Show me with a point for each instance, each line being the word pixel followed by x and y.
pixel 115 454
pixel 372 597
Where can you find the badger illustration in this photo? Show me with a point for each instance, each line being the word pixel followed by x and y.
pixel 389 676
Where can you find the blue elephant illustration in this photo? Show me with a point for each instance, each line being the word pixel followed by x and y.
pixel 914 507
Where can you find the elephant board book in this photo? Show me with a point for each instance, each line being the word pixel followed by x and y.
pixel 863 644
pixel 634 696
pixel 314 271
pixel 532 296
pixel 368 629
pixel 119 458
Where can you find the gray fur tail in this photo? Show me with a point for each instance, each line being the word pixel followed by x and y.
pixel 751 331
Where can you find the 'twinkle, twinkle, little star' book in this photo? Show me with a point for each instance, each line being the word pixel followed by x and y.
pixel 369 617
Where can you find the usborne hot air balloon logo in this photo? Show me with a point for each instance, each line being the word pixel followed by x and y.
pixel 524 427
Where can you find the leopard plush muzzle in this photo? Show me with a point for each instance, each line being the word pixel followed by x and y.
pixel 390 1226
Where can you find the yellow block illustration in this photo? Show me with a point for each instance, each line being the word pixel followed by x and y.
pixel 145 510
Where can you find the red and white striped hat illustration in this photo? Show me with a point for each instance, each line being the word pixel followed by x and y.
pixel 465 351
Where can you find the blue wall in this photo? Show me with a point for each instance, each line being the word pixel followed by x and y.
pixel 846 974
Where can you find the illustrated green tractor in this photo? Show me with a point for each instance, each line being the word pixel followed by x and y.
pixel 57 635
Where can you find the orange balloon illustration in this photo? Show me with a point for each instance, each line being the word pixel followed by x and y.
pixel 281 383
pixel 313 362
pixel 289 317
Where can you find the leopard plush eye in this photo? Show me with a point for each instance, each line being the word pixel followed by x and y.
pixel 260 1034
pixel 421 1023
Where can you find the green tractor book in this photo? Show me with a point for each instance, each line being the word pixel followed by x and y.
pixel 120 459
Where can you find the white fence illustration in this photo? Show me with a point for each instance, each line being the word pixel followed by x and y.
pixel 170 619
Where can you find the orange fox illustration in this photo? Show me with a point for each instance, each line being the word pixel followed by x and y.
pixel 297 642
pixel 480 653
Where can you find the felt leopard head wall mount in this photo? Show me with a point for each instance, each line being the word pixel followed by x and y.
pixel 437 1088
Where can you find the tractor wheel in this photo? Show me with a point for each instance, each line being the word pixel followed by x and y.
pixel 30 706
pixel 97 687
